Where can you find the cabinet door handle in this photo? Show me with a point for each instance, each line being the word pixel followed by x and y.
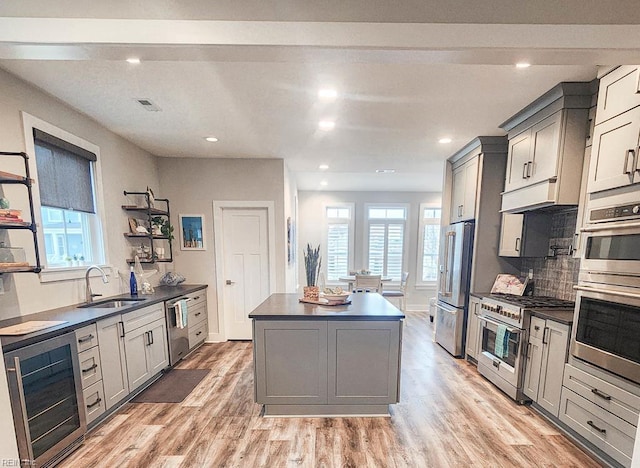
pixel 85 338
pixel 544 335
pixel 529 169
pixel 602 431
pixel 147 338
pixel 632 153
pixel 602 395
pixel 151 335
pixel 517 244
pixel 637 164
pixel 89 369
pixel 528 350
pixel 97 402
pixel 121 326
pixel 524 170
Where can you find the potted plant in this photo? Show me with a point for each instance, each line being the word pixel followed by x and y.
pixel 312 263
pixel 162 224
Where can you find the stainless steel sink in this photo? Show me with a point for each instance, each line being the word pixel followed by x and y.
pixel 111 303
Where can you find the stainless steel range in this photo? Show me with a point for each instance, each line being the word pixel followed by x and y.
pixel 505 322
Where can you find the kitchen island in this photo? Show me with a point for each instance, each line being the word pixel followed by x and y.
pixel 318 360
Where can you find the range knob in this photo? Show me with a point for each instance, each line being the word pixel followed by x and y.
pixel 636 209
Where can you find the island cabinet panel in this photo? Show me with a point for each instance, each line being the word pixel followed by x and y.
pixel 355 348
pixel 290 362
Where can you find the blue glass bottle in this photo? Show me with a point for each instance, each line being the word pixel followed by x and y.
pixel 133 284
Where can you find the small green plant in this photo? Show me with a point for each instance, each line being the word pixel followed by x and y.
pixel 165 226
pixel 312 264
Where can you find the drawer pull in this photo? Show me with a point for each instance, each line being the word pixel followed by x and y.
pixel 199 333
pixel 196 298
pixel 97 402
pixel 95 366
pixel 602 395
pixel 601 431
pixel 85 338
pixel 199 313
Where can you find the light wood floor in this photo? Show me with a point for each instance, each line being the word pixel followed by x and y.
pixel 448 416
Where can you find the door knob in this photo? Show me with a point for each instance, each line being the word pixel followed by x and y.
pixel 229 282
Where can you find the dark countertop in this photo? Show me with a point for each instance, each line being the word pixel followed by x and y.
pixel 364 306
pixel 79 317
pixel 480 295
pixel 560 316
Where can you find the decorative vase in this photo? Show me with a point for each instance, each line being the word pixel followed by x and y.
pixel 311 293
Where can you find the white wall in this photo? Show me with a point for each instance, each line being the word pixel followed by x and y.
pixel 124 167
pixel 312 229
pixel 194 184
pixel 290 211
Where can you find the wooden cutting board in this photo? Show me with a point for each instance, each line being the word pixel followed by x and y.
pixel 30 327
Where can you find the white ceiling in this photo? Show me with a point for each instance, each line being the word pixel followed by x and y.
pixel 252 78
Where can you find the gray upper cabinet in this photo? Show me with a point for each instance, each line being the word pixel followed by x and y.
pixel 614 155
pixel 619 92
pixel 546 149
pixel 525 235
pixel 113 360
pixel 464 190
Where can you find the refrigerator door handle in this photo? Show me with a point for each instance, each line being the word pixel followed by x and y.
pixel 450 243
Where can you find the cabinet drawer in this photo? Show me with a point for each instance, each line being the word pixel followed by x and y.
pixel 197 313
pixel 94 401
pixel 609 433
pixel 197 297
pixel 197 334
pixel 90 368
pixel 619 91
pixel 87 337
pixel 141 317
pixel 612 398
pixel 537 328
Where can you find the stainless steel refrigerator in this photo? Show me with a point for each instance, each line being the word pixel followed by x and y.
pixel 456 244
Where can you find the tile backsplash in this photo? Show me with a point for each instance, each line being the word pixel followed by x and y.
pixel 556 276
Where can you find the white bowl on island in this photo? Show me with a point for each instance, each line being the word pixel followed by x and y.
pixel 336 298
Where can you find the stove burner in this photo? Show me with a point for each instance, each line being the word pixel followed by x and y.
pixel 534 302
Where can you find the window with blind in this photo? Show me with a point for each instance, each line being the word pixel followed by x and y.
pixel 339 221
pixel 429 242
pixel 70 224
pixel 386 232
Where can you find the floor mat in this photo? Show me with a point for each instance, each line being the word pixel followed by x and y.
pixel 173 387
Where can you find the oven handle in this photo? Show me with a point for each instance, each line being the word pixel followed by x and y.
pixel 606 291
pixel 605 227
pixel 484 318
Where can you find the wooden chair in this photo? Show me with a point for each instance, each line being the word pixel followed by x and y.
pixel 399 293
pixel 368 283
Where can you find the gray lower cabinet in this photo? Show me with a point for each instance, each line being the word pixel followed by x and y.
pixel 473 328
pixel 145 345
pixel 356 346
pixel 546 357
pixel 290 362
pixel 327 362
pixel 90 371
pixel 113 360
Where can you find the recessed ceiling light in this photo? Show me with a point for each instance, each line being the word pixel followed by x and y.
pixel 211 139
pixel 324 183
pixel 327 93
pixel 326 124
pixel 133 60
pixel 523 65
pixel 444 140
pixel 385 171
pixel 323 167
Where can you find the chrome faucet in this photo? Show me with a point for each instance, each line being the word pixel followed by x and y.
pixel 105 280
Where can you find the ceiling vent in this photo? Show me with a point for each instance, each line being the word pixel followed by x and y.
pixel 148 104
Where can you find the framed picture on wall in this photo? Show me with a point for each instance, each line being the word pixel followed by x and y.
pixel 192 232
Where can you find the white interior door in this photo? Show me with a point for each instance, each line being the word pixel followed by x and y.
pixel 245 275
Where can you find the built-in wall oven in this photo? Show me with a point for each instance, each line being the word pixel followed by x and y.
pixel 46 399
pixel 607 315
pixel 607 328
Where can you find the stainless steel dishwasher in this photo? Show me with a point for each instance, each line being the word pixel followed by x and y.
pixel 46 399
pixel 178 337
